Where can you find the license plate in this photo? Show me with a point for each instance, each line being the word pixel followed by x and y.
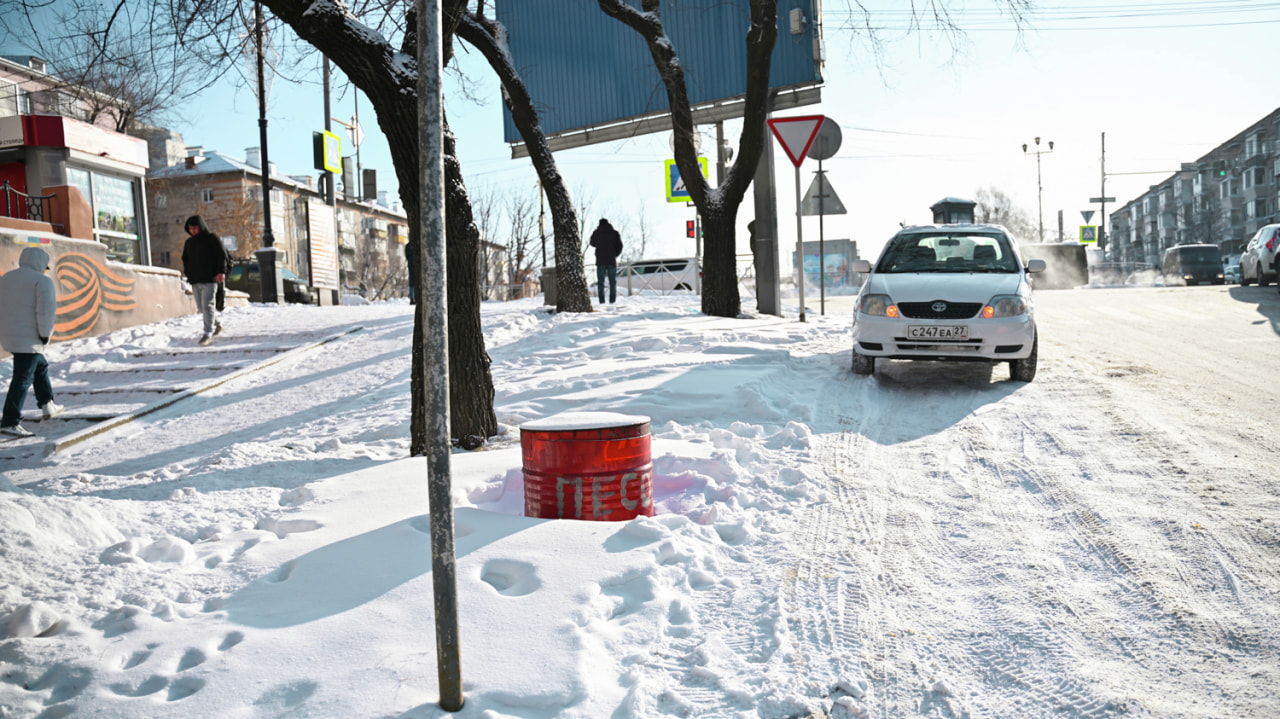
pixel 938 332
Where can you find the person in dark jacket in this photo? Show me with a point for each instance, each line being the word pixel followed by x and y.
pixel 205 263
pixel 608 244
pixel 28 307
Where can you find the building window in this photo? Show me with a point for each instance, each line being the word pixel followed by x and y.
pixel 277 197
pixel 206 195
pixel 163 258
pixel 254 194
pixel 162 201
pixel 8 98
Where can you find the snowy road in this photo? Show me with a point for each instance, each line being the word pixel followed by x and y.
pixel 1100 541
pixel 933 540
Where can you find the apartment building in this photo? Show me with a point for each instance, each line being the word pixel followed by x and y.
pixel 1221 198
pixel 364 239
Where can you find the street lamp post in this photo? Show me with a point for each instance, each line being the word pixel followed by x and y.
pixel 1039 186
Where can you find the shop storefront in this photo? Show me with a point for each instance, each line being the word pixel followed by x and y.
pixel 40 151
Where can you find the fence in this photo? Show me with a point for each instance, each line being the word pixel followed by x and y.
pixel 21 206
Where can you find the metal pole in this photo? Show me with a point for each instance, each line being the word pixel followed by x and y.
pixel 1102 220
pixel 799 247
pixel 822 254
pixel 1040 196
pixel 329 197
pixel 434 321
pixel 268 239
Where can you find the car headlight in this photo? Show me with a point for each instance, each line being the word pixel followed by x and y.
pixel 878 306
pixel 1005 306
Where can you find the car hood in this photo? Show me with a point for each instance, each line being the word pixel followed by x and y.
pixel 954 287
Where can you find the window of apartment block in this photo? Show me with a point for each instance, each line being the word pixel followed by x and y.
pixel 1251 146
pixel 8 98
pixel 206 195
pixel 1259 176
pixel 277 197
pixel 254 194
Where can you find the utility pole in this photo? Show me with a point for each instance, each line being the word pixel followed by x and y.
pixel 1039 186
pixel 1102 219
pixel 268 256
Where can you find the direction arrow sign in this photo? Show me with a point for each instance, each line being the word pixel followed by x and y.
pixel 1087 214
pixel 822 191
pixel 796 134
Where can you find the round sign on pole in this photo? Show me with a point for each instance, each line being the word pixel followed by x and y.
pixel 827 142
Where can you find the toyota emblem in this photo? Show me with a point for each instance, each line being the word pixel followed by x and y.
pixel 939 306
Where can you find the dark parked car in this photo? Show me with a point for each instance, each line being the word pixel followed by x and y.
pixel 246 277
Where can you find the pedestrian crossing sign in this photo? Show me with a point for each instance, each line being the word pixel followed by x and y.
pixel 1088 233
pixel 676 190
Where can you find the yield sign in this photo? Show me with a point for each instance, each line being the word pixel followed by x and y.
pixel 1086 214
pixel 796 134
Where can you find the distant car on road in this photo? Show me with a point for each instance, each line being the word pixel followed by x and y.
pixel 1192 265
pixel 1231 269
pixel 665 276
pixel 947 292
pixel 247 278
pixel 1258 261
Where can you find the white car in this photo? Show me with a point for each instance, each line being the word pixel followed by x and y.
pixel 947 292
pixel 1258 261
pixel 664 276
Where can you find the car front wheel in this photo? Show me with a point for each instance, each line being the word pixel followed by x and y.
pixel 862 364
pixel 1024 370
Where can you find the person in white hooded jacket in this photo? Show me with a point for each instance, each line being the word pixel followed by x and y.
pixel 28 306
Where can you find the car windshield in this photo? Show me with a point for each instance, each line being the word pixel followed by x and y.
pixel 1206 255
pixel 948 252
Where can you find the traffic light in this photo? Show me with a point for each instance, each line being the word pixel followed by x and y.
pixel 688 229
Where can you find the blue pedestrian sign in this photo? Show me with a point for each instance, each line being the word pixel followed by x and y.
pixel 676 190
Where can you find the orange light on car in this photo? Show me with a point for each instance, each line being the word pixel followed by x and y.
pixel 988 312
pixel 891 311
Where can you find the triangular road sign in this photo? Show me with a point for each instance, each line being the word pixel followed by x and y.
pixel 796 134
pixel 821 190
pixel 1086 214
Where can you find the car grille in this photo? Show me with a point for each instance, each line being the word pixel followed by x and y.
pixel 927 311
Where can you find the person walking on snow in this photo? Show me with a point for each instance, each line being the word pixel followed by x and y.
pixel 205 263
pixel 608 244
pixel 28 306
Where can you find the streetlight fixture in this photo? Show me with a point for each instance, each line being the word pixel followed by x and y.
pixel 1039 186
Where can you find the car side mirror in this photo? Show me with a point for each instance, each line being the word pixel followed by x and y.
pixel 1036 265
pixel 861 266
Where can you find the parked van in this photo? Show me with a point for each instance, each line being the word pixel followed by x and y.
pixel 1192 265
pixel 664 276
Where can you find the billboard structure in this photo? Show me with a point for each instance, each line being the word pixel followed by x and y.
pixel 593 79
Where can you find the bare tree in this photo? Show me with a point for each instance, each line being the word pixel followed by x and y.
pixel 107 57
pixel 522 231
pixel 719 206
pixel 488 36
pixel 636 248
pixel 997 208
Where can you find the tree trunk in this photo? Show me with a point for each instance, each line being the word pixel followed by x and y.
pixel 387 77
pixel 572 293
pixel 718 206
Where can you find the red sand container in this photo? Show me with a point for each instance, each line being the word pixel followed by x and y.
pixel 596 466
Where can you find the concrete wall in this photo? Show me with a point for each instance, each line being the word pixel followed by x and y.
pixel 96 295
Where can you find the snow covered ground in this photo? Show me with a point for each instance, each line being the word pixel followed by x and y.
pixel 933 540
